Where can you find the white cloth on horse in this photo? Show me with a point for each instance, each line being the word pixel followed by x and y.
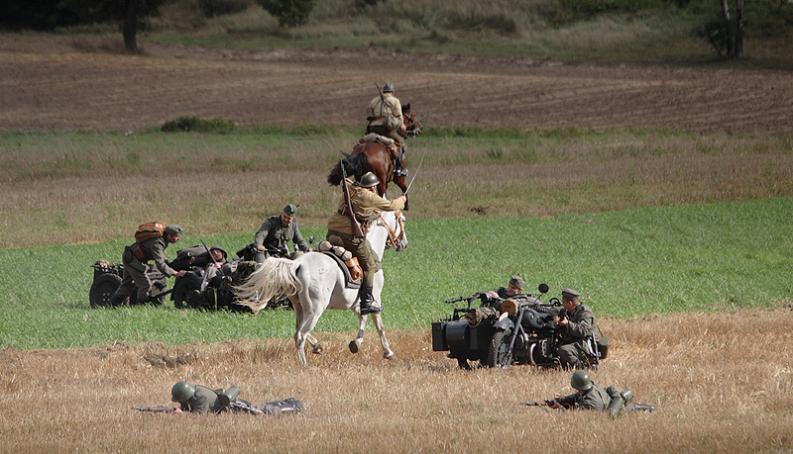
pixel 373 137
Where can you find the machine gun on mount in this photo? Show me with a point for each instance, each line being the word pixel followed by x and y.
pixel 524 332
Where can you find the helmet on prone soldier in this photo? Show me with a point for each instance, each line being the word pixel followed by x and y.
pixel 368 180
pixel 580 381
pixel 388 88
pixel 182 392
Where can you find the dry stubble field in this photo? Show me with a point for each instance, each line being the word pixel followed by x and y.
pixel 721 382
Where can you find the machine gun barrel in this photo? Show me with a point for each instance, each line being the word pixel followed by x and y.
pixel 468 299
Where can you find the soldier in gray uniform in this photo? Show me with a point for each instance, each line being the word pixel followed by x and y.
pixel 590 396
pixel 272 238
pixel 200 399
pixel 136 259
pixel 576 325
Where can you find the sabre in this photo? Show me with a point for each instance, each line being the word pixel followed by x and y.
pixel 416 173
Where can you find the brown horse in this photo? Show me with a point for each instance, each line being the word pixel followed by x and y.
pixel 377 158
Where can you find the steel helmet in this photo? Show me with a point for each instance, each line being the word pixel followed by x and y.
pixel 182 392
pixel 173 229
pixel 581 381
pixel 368 180
pixel 388 88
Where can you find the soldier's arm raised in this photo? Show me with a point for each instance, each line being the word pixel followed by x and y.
pixel 383 204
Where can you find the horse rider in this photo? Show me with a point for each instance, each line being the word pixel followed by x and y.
pixel 366 204
pixel 384 117
pixel 136 264
pixel 576 325
pixel 272 238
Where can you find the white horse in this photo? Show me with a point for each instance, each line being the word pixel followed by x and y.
pixel 313 282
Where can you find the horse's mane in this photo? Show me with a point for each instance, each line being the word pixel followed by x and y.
pixel 354 165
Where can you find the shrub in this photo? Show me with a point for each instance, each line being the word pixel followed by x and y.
pixel 212 8
pixel 198 124
pixel 290 13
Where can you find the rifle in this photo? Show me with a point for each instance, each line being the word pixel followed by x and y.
pixel 156 409
pixel 550 403
pixel 356 226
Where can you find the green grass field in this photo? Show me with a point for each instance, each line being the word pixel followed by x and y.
pixel 709 257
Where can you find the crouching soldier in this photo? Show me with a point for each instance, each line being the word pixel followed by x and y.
pixel 576 325
pixel 200 399
pixel 590 396
pixel 149 246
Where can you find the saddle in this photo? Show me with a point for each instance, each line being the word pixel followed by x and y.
pixel 348 264
pixel 389 143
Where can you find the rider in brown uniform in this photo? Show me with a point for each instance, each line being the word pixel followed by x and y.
pixel 366 204
pixel 384 117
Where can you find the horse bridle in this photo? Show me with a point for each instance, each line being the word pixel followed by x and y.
pixel 393 238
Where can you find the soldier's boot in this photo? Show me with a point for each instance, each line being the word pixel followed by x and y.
pixel 399 170
pixel 366 298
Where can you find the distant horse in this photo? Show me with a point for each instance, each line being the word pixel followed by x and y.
pixel 375 157
pixel 313 282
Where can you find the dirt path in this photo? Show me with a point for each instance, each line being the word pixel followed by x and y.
pixel 719 382
pixel 45 83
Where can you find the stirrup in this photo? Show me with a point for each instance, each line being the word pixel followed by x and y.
pixel 401 172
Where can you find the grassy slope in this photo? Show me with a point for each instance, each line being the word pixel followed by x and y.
pixel 639 261
pixel 656 32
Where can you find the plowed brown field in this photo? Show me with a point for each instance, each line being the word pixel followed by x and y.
pixel 45 83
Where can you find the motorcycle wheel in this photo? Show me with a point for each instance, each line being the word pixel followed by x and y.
pixel 498 355
pixel 102 289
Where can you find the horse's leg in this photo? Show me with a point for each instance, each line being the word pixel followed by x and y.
pixel 300 336
pixel 355 344
pixel 378 323
pixel 316 347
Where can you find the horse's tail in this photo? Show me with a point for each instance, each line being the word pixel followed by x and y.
pixel 354 165
pixel 275 277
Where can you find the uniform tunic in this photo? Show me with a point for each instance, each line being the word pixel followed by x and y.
pixel 366 205
pixel 580 327
pixel 274 235
pixel 203 401
pixel 595 399
pixel 385 117
pixel 136 267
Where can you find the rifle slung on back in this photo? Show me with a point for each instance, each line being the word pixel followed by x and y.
pixel 357 232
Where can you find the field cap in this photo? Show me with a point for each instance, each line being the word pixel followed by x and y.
pixel 570 293
pixel 290 209
pixel 517 282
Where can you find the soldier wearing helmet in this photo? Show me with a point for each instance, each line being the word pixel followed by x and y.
pixel 136 258
pixel 273 237
pixel 576 325
pixel 366 204
pixel 384 117
pixel 200 399
pixel 588 395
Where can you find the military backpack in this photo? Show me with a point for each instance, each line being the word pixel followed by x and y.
pixel 149 230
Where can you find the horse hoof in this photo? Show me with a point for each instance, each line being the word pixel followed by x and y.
pixel 353 347
pixel 317 349
pixel 389 355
